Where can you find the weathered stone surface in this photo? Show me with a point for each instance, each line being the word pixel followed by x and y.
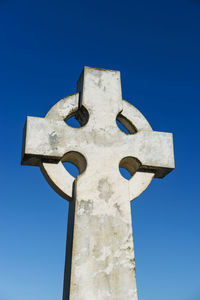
pixel 100 260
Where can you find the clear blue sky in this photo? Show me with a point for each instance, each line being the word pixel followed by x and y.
pixel 43 48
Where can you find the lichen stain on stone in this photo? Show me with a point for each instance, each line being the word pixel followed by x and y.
pixel 118 208
pixel 132 264
pixel 53 140
pixel 96 251
pixel 85 207
pixel 105 189
pixel 101 254
pixel 100 82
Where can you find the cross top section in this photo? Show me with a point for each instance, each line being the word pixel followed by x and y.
pixel 98 147
pixel 100 93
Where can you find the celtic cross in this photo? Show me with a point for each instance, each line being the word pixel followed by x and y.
pixel 100 262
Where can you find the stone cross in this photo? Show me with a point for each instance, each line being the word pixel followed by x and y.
pixel 100 262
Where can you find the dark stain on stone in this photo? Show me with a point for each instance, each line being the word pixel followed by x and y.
pixel 100 83
pixel 132 262
pixel 105 189
pixel 118 208
pixel 85 207
pixel 96 251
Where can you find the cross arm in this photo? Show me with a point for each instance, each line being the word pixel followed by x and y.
pixel 45 140
pixel 154 150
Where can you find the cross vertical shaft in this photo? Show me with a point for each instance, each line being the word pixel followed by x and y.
pixel 103 264
pixel 103 257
